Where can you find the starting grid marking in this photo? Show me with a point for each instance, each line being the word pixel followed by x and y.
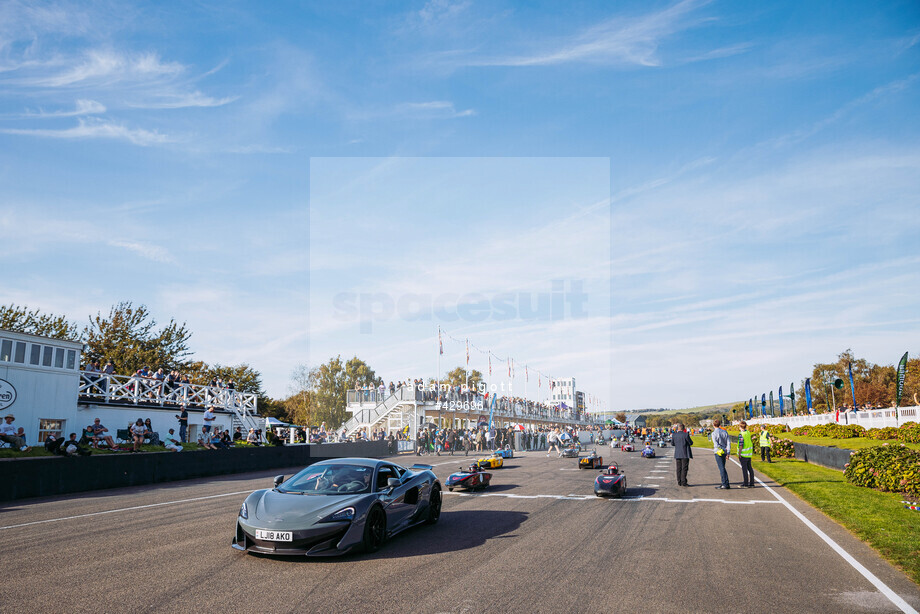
pixel 596 498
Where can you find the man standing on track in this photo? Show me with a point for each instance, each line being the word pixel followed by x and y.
pixel 721 446
pixel 745 452
pixel 682 453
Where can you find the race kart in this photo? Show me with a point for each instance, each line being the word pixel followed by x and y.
pixel 611 483
pixel 505 452
pixel 662 443
pixel 570 452
pixel 648 453
pixel 591 461
pixel 337 506
pixel 491 462
pixel 627 447
pixel 473 478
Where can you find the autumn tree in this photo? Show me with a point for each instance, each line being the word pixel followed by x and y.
pixel 620 416
pixel 458 377
pixel 34 322
pixel 129 337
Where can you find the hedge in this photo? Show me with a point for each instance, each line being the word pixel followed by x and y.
pixel 891 468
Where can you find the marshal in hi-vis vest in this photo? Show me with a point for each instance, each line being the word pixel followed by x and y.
pixel 745 444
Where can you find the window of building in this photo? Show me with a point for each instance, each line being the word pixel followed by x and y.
pixel 71 359
pixel 6 349
pixel 20 354
pixel 49 426
pixel 59 358
pixel 49 355
pixel 35 355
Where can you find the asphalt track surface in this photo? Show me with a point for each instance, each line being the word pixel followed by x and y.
pixel 536 541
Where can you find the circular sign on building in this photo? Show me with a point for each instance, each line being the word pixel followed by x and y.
pixel 7 394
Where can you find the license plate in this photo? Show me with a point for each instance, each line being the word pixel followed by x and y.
pixel 274 536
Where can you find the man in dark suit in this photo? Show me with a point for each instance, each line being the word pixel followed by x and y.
pixel 682 453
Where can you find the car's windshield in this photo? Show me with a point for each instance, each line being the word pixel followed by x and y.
pixel 329 480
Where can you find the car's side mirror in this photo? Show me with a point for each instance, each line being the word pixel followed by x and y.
pixel 278 480
pixel 393 483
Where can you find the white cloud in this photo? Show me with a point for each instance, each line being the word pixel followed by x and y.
pixel 616 41
pixel 96 130
pixel 81 107
pixel 99 67
pixel 183 100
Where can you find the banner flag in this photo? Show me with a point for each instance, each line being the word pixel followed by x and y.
pixel 526 374
pixel 781 401
pixel 467 352
pixel 808 395
pixel 852 387
pixel 539 380
pixel 763 405
pixel 772 414
pixel 490 365
pixel 792 397
pixel 902 373
pixel 748 410
pixel 509 367
pixel 751 408
pixel 440 343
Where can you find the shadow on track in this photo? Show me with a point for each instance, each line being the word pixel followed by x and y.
pixel 456 530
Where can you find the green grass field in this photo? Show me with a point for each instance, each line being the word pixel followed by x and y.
pixel 854 443
pixel 878 518
pixel 37 451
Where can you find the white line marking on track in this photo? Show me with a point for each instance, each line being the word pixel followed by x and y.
pixel 868 575
pixel 593 497
pixel 125 509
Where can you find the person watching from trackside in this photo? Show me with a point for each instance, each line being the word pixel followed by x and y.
pixel 205 441
pixel 208 418
pixel 721 447
pixel 138 432
pixel 766 443
pixel 171 442
pixel 183 423
pixel 73 447
pixel 99 433
pixel 683 452
pixel 745 452
pixel 8 434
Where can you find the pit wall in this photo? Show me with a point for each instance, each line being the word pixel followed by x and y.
pixel 55 475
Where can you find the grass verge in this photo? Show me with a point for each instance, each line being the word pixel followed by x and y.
pixel 878 518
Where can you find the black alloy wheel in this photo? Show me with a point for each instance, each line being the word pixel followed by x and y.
pixel 434 505
pixel 375 528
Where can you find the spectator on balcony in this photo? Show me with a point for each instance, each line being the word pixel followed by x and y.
pixel 8 434
pixel 171 442
pixel 98 432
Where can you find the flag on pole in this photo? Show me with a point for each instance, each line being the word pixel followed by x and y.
pixel 808 395
pixel 781 401
pixel 440 343
pixel 490 364
pixel 467 352
pixel 852 386
pixel 526 374
pixel 509 367
pixel 792 397
pixel 771 405
pixel 539 381
pixel 763 404
pixel 902 373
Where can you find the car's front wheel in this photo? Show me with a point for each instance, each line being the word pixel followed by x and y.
pixel 375 529
pixel 434 505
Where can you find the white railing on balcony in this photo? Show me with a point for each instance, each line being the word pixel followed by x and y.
pixel 877 418
pixel 370 407
pixel 121 389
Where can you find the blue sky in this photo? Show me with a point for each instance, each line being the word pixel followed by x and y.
pixel 759 165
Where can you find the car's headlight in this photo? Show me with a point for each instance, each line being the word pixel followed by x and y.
pixel 244 511
pixel 343 514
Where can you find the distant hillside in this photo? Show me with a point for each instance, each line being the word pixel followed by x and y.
pixel 703 409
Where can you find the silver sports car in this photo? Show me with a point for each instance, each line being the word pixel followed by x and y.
pixel 336 506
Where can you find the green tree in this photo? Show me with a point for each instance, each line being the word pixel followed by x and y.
pixel 328 383
pixel 457 377
pixel 299 406
pixel 34 322
pixel 129 338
